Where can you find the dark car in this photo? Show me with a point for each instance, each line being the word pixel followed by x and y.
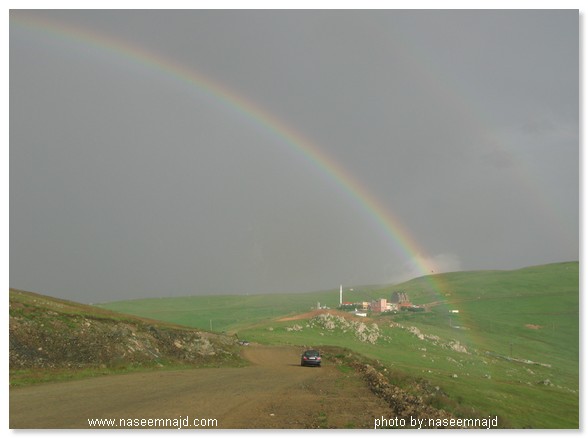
pixel 311 357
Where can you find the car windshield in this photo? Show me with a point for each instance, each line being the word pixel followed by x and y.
pixel 311 353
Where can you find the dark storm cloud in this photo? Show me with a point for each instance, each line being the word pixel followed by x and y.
pixel 127 182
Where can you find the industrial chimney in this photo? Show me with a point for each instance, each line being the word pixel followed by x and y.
pixel 341 295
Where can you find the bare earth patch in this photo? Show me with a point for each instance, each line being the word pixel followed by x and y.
pixel 313 313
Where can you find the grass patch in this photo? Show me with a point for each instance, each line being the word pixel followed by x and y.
pixel 27 377
pixel 33 376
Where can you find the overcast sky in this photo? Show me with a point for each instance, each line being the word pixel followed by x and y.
pixel 128 182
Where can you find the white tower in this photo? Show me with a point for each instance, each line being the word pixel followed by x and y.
pixel 341 295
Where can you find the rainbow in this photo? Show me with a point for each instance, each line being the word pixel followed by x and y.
pixel 327 165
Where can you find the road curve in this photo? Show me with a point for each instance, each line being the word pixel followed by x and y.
pixel 274 392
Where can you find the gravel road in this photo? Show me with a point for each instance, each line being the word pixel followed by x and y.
pixel 274 392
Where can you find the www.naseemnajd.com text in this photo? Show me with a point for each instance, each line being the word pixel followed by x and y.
pixel 432 423
pixel 177 423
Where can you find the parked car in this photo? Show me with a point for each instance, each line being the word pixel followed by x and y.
pixel 310 357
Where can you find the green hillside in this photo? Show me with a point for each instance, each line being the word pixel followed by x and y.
pixel 53 339
pixel 512 350
pixel 233 312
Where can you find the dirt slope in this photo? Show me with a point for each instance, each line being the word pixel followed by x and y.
pixel 313 313
pixel 274 392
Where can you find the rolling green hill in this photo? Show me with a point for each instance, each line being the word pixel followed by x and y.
pixel 512 350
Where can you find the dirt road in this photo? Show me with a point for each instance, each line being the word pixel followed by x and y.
pixel 274 392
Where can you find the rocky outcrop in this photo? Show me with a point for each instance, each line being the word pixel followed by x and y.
pixel 403 404
pixel 48 334
pixel 369 333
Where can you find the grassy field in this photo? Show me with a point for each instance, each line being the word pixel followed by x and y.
pixel 232 313
pixel 512 350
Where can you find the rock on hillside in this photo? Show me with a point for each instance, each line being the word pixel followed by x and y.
pixel 52 333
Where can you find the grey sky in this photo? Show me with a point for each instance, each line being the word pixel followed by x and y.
pixel 126 182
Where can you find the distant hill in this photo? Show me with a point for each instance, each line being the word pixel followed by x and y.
pixel 50 337
pixel 232 313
